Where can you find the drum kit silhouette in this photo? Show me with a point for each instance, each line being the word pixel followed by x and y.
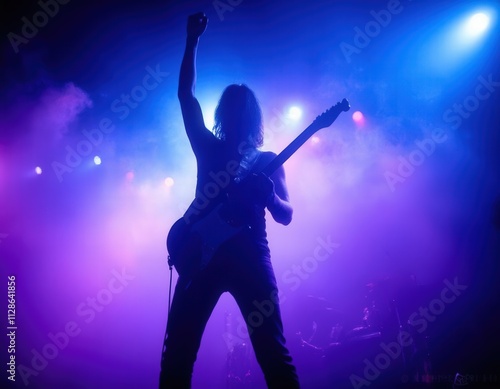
pixel 339 345
pixel 332 344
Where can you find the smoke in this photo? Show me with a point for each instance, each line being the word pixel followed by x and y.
pixel 56 110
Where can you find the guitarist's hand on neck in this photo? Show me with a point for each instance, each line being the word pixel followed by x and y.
pixel 271 192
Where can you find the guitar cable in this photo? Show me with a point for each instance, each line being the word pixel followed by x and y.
pixel 170 267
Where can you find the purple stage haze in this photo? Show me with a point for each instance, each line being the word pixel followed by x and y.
pixel 396 214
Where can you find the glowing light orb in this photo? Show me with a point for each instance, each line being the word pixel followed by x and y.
pixel 357 116
pixel 477 23
pixel 169 182
pixel 97 160
pixel 38 170
pixel 294 113
pixel 315 139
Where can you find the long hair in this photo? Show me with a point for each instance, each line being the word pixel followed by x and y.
pixel 238 116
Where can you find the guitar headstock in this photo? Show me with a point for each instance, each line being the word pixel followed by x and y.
pixel 328 117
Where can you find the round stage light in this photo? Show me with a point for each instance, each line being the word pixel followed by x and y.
pixel 478 23
pixel 294 113
pixel 357 116
pixel 169 182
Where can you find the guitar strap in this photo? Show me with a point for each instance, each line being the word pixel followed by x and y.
pixel 248 161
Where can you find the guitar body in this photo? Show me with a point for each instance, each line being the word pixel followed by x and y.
pixel 184 248
pixel 193 244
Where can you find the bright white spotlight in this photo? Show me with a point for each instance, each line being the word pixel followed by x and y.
pixel 38 170
pixel 97 160
pixel 294 113
pixel 169 182
pixel 459 40
pixel 478 23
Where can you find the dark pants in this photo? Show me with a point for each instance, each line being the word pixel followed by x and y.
pixel 243 269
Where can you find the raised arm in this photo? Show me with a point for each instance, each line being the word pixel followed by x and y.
pixel 191 110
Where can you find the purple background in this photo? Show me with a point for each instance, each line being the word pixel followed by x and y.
pixel 65 238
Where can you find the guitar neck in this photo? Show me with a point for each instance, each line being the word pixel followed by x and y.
pixel 324 120
pixel 282 157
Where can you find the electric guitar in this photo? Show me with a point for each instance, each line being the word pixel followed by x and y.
pixel 192 245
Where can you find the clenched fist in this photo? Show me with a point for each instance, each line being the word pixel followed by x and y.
pixel 196 24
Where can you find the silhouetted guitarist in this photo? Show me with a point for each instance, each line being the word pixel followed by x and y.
pixel 242 265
